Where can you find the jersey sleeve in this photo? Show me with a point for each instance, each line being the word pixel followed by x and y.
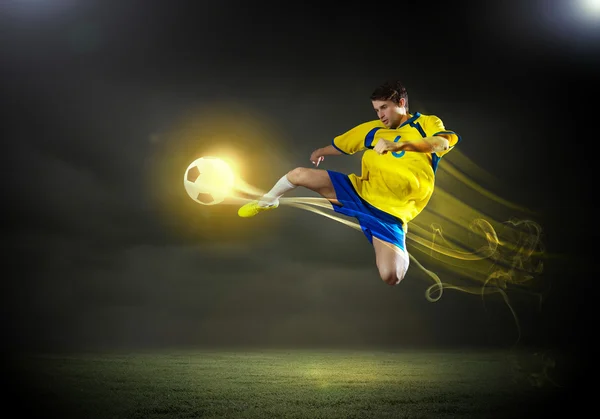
pixel 358 138
pixel 434 126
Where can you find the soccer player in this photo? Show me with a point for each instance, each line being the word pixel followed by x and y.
pixel 401 154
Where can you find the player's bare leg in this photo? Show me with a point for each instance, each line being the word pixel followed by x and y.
pixel 316 180
pixel 392 262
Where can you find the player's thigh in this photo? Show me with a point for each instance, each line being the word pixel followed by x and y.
pixel 392 261
pixel 316 180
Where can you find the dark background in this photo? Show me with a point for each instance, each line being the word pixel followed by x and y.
pixel 104 250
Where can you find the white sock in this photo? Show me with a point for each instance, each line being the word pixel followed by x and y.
pixel 282 186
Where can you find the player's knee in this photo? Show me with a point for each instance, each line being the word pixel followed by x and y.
pixel 391 276
pixel 298 176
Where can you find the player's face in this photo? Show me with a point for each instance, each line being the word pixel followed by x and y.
pixel 389 112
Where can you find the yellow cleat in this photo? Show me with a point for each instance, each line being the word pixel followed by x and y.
pixel 252 208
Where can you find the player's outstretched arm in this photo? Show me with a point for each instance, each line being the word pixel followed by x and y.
pixel 431 144
pixel 319 154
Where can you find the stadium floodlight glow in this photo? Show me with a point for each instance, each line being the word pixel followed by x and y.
pixel 588 14
pixel 591 6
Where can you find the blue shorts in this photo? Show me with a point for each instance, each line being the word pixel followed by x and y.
pixel 373 221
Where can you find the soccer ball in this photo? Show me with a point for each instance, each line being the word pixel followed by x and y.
pixel 208 180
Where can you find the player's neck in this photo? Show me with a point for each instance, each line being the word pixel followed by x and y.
pixel 403 119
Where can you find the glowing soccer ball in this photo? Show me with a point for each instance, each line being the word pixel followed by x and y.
pixel 208 180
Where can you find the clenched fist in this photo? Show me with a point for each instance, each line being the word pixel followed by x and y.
pixel 383 146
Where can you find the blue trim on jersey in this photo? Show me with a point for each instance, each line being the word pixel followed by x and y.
pixel 435 159
pixel 337 148
pixel 419 128
pixel 370 137
pixel 410 120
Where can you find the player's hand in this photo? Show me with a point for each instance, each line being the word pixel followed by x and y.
pixel 317 157
pixel 383 146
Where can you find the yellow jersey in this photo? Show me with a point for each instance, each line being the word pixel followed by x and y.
pixel 398 183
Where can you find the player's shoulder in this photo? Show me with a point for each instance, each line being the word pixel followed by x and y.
pixel 376 123
pixel 366 126
pixel 427 118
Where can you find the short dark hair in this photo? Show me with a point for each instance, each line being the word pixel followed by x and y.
pixel 391 90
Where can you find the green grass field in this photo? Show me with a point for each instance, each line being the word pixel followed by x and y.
pixel 283 384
